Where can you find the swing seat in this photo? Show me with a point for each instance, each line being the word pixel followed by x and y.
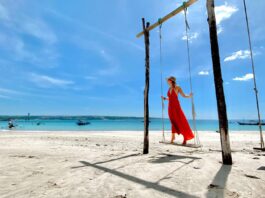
pixel 179 144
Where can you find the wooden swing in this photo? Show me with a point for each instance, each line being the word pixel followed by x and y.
pixel 221 107
pixel 197 143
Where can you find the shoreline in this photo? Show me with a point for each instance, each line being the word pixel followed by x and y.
pixel 116 131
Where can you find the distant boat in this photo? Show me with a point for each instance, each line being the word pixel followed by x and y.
pixel 82 123
pixel 11 124
pixel 149 121
pixel 253 123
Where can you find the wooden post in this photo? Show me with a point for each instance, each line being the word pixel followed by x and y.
pixel 146 91
pixel 221 105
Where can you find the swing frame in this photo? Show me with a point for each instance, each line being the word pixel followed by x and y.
pixel 221 106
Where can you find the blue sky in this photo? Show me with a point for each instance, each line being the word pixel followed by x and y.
pixel 82 57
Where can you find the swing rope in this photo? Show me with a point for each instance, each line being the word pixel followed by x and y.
pixel 254 76
pixel 161 80
pixel 187 28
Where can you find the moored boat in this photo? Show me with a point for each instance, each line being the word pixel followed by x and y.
pixel 82 123
pixel 254 123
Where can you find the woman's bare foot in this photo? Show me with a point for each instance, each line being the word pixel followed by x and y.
pixel 173 137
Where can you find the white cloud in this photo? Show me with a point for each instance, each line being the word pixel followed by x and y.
pixel 241 54
pixel 192 36
pixel 8 91
pixel 18 24
pixel 47 81
pixel 4 15
pixel 4 97
pixel 17 47
pixel 109 71
pixel 111 65
pixel 91 77
pixel 19 51
pixel 117 39
pixel 246 77
pixel 106 56
pixel 224 12
pixel 34 26
pixel 219 29
pixel 203 73
pixel 39 29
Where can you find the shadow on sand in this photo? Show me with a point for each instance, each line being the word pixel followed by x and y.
pixel 166 158
pixel 217 187
pixel 112 160
pixel 152 185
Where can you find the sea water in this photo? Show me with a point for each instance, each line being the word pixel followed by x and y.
pixel 105 123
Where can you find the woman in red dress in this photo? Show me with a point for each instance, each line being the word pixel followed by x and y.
pixel 179 123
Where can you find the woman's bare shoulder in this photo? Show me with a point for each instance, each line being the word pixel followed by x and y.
pixel 177 88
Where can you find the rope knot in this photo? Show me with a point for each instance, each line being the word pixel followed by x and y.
pixel 184 5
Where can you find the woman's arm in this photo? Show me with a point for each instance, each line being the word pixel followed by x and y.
pixel 182 93
pixel 164 98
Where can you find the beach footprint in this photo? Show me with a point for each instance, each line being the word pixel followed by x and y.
pixel 219 192
pixel 198 164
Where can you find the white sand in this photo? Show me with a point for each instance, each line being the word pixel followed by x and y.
pixel 110 164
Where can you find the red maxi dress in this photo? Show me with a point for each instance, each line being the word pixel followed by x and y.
pixel 177 118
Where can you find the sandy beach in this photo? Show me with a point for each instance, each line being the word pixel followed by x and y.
pixel 111 164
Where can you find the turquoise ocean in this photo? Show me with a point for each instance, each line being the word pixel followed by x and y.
pixel 104 123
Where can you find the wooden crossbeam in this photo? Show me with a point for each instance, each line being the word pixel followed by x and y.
pixel 165 18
